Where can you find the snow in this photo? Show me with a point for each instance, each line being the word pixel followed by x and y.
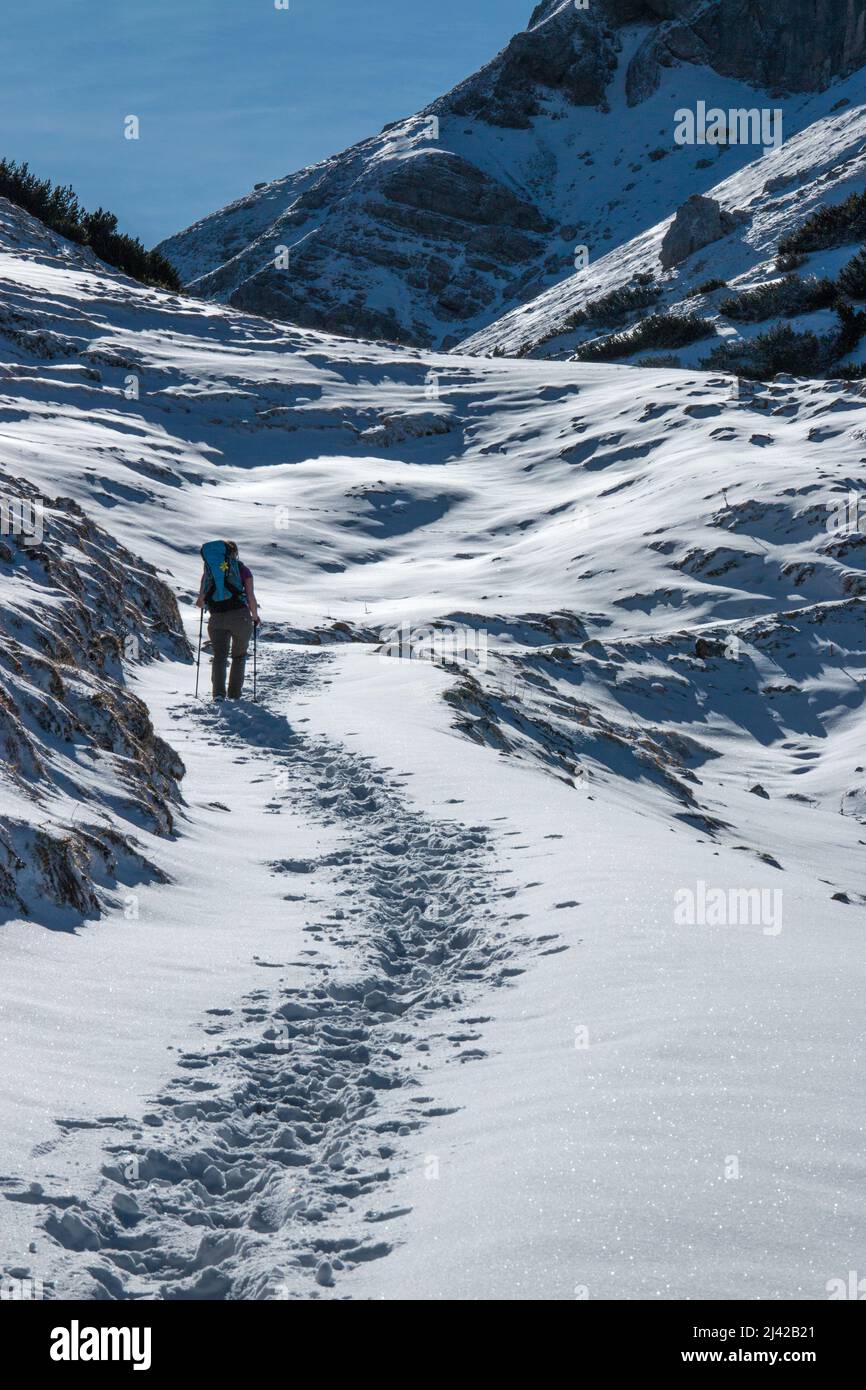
pixel 588 170
pixel 605 1162
pixel 821 161
pixel 375 965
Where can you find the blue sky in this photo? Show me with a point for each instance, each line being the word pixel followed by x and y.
pixel 228 92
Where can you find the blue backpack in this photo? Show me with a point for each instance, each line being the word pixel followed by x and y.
pixel 223 586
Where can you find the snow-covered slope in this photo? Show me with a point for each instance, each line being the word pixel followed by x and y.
pixel 434 228
pixel 822 165
pixel 75 608
pixel 82 770
pixel 572 913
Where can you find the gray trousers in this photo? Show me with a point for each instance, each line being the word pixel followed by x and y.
pixel 231 630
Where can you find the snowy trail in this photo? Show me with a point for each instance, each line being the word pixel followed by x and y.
pixel 645 731
pixel 262 1170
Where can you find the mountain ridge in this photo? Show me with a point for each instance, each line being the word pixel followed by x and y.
pixel 818 167
pixel 446 220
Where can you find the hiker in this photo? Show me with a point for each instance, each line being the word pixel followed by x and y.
pixel 227 593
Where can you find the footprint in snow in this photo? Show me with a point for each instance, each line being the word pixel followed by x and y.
pixel 305 1091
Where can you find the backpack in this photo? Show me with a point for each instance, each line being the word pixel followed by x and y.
pixel 223 586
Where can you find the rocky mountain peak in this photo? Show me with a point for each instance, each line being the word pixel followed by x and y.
pixel 796 47
pixel 444 221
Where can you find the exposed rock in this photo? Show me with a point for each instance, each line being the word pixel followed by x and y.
pixel 75 743
pixel 796 47
pixel 395 428
pixel 433 229
pixel 709 648
pixel 563 50
pixel 698 222
pixel 464 224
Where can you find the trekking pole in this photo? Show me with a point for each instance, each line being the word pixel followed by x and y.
pixel 255 658
pixel 198 658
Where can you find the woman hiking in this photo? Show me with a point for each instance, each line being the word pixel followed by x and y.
pixel 228 594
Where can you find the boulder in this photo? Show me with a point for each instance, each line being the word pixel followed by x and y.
pixel 698 222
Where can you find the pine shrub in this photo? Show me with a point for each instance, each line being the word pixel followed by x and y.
pixel 783 349
pixel 836 225
pixel 663 331
pixel 852 277
pixel 782 298
pixel 615 307
pixel 58 207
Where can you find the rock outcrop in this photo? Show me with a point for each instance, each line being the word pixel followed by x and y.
pixel 799 46
pixel 80 764
pixel 698 223
pixel 437 202
pixel 564 50
pixel 447 220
